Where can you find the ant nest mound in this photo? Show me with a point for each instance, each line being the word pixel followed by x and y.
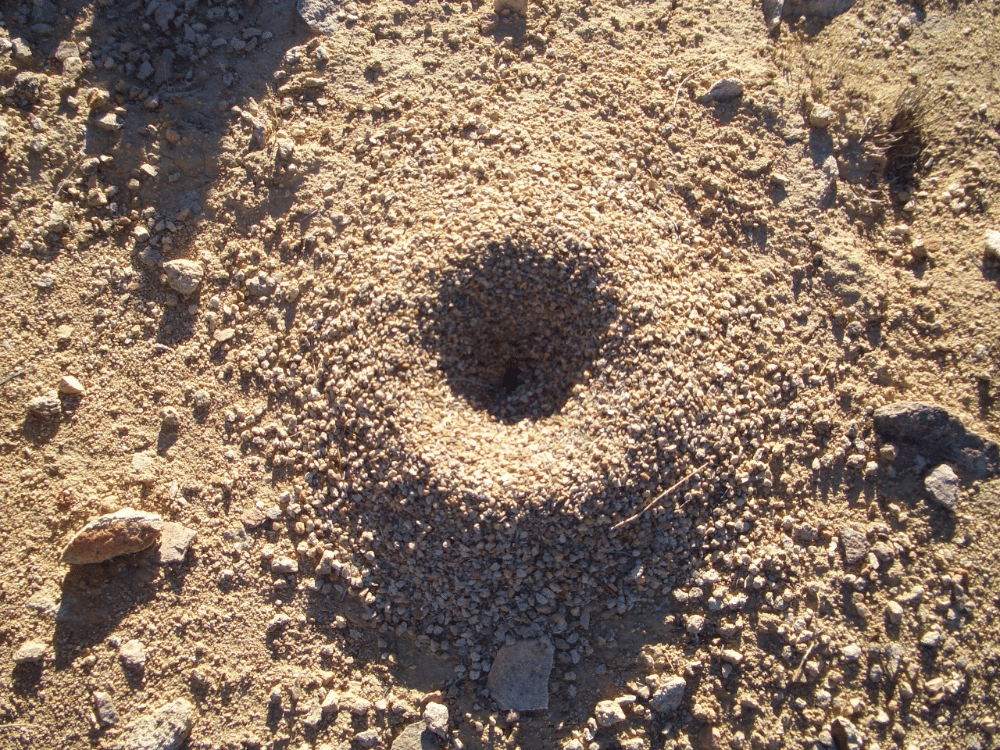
pixel 511 336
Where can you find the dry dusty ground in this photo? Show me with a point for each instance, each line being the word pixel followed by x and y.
pixel 472 293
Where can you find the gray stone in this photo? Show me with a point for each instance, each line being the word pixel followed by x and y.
pixel 519 677
pixel 20 50
pixel 166 728
pixel 133 655
pixel 284 566
pixel 107 716
pixel 175 540
pixel 320 15
pixel 726 89
pixel 942 487
pixel 367 738
pixel 184 276
pixel 30 652
pixel 119 533
pixel 846 735
pixel 991 242
pixel 109 123
pixel 45 406
pixel 817 8
pixel 668 695
pixel 821 116
pixel 854 545
pixel 415 737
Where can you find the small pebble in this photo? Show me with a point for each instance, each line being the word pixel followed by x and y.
pixel 45 406
pixel 30 652
pixel 133 655
pixel 70 386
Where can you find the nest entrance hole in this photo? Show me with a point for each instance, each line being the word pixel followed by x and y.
pixel 516 327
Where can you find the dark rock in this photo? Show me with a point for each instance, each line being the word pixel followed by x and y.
pixel 854 544
pixel 940 437
pixel 726 89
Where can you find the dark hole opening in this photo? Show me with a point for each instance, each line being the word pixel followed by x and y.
pixel 511 379
pixel 515 327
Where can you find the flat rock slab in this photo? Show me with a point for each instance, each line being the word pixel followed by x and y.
pixel 119 533
pixel 175 540
pixel 30 652
pixel 166 728
pixel 416 737
pixel 937 435
pixel 519 677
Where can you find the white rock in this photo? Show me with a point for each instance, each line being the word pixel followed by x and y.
pixel 821 116
pixel 133 655
pixel 436 718
pixel 164 729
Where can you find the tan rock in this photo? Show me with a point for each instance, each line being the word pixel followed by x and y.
pixel 70 386
pixel 119 533
pixel 175 540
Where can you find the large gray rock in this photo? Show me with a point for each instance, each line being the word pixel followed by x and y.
pixel 942 487
pixel 166 728
pixel 940 437
pixel 321 15
pixel 519 677
pixel 668 695
pixel 119 533
pixel 184 276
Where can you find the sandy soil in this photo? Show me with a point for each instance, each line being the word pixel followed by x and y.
pixel 577 325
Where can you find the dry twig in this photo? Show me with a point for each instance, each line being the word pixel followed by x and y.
pixel 688 77
pixel 660 497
